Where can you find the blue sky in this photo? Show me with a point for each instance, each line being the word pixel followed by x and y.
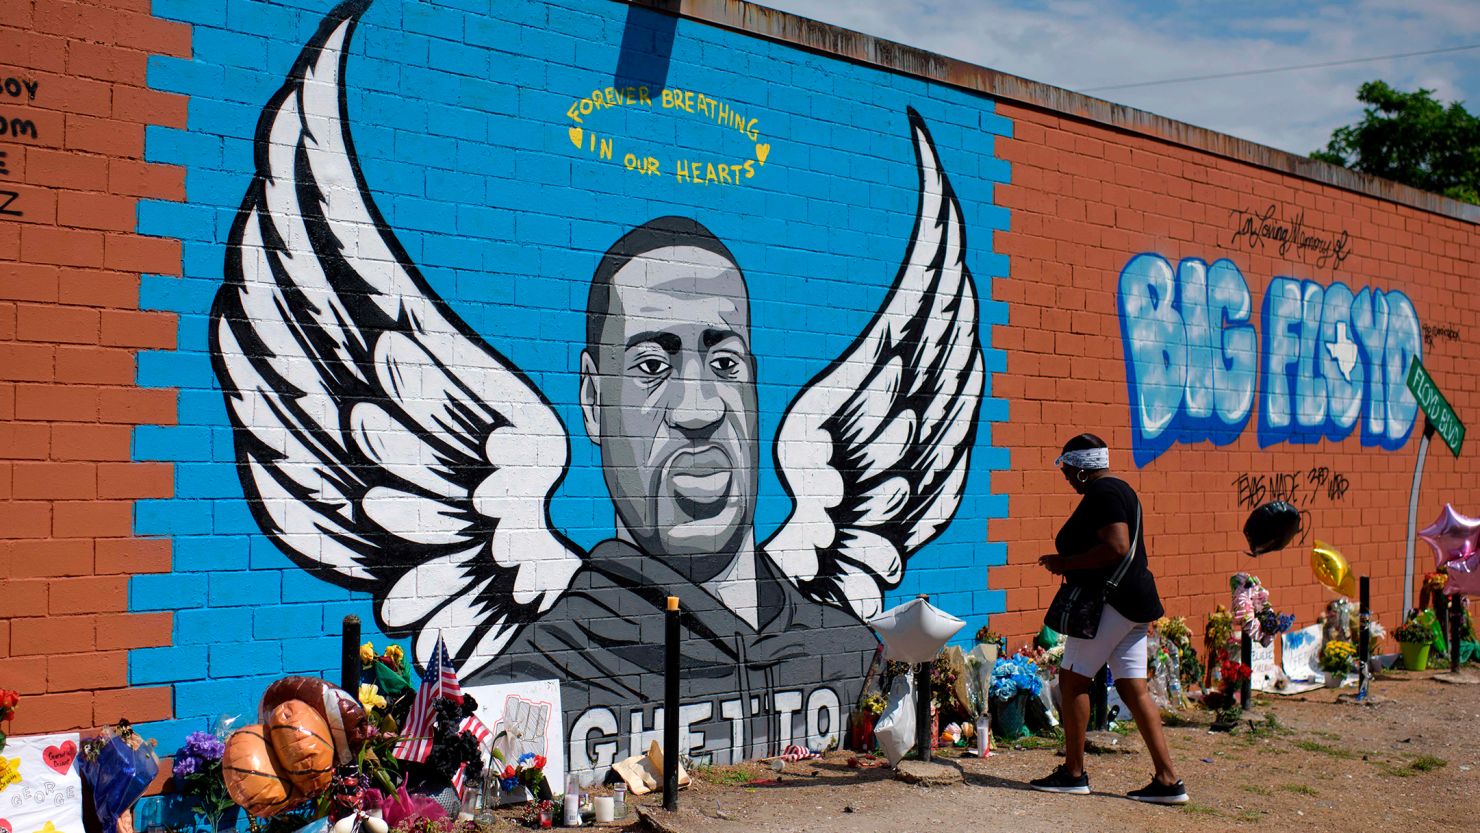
pixel 1078 44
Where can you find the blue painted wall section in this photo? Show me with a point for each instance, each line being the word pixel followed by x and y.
pixel 463 123
pixel 1329 358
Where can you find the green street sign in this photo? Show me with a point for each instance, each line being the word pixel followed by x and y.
pixel 1436 407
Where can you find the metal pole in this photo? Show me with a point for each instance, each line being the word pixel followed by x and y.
pixel 922 710
pixel 349 654
pixel 1456 630
pixel 670 707
pixel 1423 452
pixel 922 704
pixel 1364 639
pixel 1246 656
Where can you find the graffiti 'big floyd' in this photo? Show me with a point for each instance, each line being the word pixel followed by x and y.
pixel 1329 357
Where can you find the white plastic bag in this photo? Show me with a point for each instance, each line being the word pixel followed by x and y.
pixel 895 729
pixel 1050 712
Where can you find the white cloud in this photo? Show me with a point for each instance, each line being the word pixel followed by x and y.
pixel 1075 44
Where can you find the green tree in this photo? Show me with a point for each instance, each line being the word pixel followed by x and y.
pixel 1411 138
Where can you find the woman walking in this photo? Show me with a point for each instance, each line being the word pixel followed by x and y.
pixel 1102 555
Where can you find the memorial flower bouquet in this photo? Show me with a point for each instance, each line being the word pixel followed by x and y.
pixel 1174 630
pixel 942 681
pixel 1047 659
pixel 1014 675
pixel 453 748
pixel 197 772
pixel 390 674
pixel 527 771
pixel 1338 657
pixel 1223 700
pixel 987 636
pixel 117 766
pixel 9 700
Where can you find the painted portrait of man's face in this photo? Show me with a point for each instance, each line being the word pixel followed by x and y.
pixel 668 392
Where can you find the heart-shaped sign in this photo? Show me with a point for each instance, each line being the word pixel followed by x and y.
pixel 60 758
pixel 576 134
pixel 762 150
pixel 5 826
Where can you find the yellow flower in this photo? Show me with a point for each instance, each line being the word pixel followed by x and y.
pixel 367 653
pixel 397 655
pixel 370 697
pixel 10 772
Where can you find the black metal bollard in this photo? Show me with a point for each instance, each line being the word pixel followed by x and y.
pixel 670 707
pixel 1364 638
pixel 923 696
pixel 1456 630
pixel 1099 701
pixel 922 710
pixel 349 655
pixel 1246 656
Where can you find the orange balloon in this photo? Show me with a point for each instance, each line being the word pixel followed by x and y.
pixel 301 745
pixel 253 779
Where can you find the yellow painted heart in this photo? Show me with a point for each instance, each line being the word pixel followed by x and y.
pixel 576 135
pixel 762 150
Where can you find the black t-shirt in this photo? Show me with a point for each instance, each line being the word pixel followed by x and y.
pixel 1106 501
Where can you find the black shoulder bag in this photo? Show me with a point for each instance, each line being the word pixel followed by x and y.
pixel 1075 609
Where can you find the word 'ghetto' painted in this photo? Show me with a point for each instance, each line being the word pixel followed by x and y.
pixel 1192 355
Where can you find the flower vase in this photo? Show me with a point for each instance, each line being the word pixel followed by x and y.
pixel 1009 716
pixel 1415 655
pixel 1335 679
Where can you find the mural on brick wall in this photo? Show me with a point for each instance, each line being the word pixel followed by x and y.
pixel 386 446
pixel 1330 358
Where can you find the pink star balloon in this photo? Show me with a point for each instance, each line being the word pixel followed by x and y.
pixel 1456 542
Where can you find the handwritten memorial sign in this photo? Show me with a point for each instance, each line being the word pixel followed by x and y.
pixel 40 790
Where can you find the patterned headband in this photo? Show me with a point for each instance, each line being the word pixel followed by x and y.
pixel 1086 458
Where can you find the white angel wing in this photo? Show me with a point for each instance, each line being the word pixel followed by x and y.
pixel 875 449
pixel 380 442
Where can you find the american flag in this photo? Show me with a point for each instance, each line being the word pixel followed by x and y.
pixel 440 680
pixel 794 753
pixel 481 733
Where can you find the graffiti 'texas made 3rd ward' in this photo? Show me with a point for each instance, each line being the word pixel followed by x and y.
pixel 1329 358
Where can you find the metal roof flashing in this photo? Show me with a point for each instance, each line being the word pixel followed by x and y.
pixel 823 38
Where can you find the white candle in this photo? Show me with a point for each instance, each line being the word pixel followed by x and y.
pixel 605 807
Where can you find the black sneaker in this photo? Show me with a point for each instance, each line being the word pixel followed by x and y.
pixel 1060 781
pixel 1155 793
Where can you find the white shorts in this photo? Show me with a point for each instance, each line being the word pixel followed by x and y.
pixel 1119 643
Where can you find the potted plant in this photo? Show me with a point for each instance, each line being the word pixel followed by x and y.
pixel 1414 639
pixel 1338 659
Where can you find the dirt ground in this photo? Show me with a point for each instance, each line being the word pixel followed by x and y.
pixel 1409 762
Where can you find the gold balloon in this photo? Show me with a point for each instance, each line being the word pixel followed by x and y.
pixel 1331 569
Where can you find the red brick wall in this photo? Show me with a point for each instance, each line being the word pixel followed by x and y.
pixel 70 328
pixel 1084 199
